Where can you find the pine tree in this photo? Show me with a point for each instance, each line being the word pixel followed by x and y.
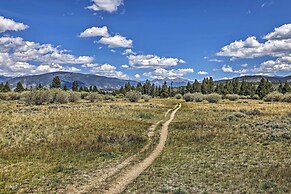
pixel 75 86
pixel 56 83
pixel 286 88
pixel 19 87
pixel 1 87
pixel 196 86
pixel 188 87
pixel 6 87
pixel 235 85
pixel 280 88
pixel 210 85
pixel 139 87
pixel 164 91
pixel 65 88
pixel 204 86
pixel 95 89
pixel 264 88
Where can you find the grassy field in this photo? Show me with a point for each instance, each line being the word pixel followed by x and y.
pixel 43 148
pixel 229 147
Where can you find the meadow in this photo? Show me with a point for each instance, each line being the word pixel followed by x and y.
pixel 226 147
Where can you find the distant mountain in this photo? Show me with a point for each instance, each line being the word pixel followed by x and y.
pixel 3 78
pixel 67 79
pixel 257 78
pixel 177 82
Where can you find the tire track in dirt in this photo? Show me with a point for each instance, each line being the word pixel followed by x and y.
pixel 96 180
pixel 131 174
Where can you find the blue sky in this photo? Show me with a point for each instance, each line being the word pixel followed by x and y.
pixel 149 39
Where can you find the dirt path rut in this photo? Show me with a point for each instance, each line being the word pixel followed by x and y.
pixel 132 173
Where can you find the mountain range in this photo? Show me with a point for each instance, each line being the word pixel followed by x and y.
pixel 107 83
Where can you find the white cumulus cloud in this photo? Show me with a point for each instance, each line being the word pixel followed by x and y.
pixel 10 25
pixel 109 71
pixel 116 42
pixel 95 32
pixel 171 74
pixel 152 61
pixel 202 73
pixel 105 5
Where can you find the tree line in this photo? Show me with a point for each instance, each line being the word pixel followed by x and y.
pixel 207 86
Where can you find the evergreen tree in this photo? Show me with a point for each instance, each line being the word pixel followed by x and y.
pixel 90 88
pixel 204 86
pixel 280 88
pixel 164 91
pixel 243 88
pixel 286 88
pixel 264 88
pixel 39 87
pixel 75 86
pixel 95 89
pixel 1 87
pixel 19 87
pixel 6 87
pixel 139 87
pixel 81 89
pixel 171 89
pixel 196 86
pixel 146 87
pixel 235 86
pixel 189 87
pixel 56 83
pixel 65 88
pixel 210 85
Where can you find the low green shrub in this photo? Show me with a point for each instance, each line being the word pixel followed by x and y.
pixel 133 96
pixel 178 96
pixel 94 97
pixel 273 97
pixel 213 98
pixel 74 96
pixel 286 97
pixel 188 97
pixel 37 97
pixel 232 97
pixel 109 97
pixel 198 97
pixel 146 98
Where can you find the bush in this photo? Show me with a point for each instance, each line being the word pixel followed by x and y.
pixel 273 97
pixel 109 98
pixel 120 96
pixel 198 97
pixel 14 96
pixel 37 97
pixel 178 96
pixel 255 97
pixel 234 116
pixel 232 97
pixel 4 96
pixel 133 96
pixel 74 97
pixel 188 97
pixel 59 96
pixel 286 97
pixel 94 97
pixel 84 95
pixel 243 97
pixel 213 98
pixel 146 98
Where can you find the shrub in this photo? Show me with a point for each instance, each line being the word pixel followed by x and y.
pixel 255 97
pixel 133 96
pixel 108 97
pixel 286 97
pixel 94 97
pixel 14 96
pixel 232 97
pixel 37 97
pixel 4 96
pixel 188 97
pixel 59 96
pixel 234 116
pixel 120 96
pixel 273 97
pixel 84 95
pixel 146 98
pixel 198 97
pixel 213 98
pixel 74 97
pixel 243 97
pixel 178 96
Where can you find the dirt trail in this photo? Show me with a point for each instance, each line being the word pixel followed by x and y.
pixel 131 174
pixel 96 178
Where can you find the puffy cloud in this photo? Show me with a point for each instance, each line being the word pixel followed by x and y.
pixel 116 42
pixel 283 32
pixel 137 76
pixel 171 74
pixel 227 68
pixel 105 5
pixel 278 65
pixel 95 31
pixel 203 73
pixel 129 52
pixel 20 57
pixel 109 71
pixel 125 66
pixel 152 61
pixel 8 24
